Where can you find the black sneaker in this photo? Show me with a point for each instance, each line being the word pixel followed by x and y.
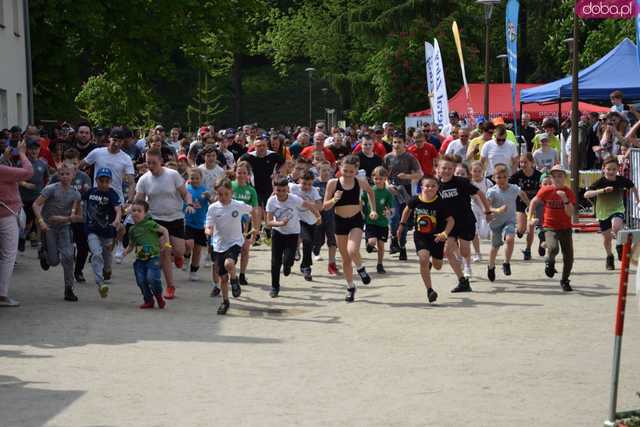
pixel 506 269
pixel 42 255
pixel 21 245
pixel 491 273
pixel 223 307
pixel 619 252
pixel 242 279
pixel 79 277
pixel 215 292
pixel 394 248
pixel 550 269
pixel 351 293
pixel 566 286
pixel 369 248
pixel 274 292
pixel 541 250
pixel 519 234
pixel 432 295
pixel 286 270
pixel 307 274
pixel 403 254
pixel 364 276
pixel 69 295
pixel 609 263
pixel 106 274
pixel 526 254
pixel 380 269
pixel 463 286
pixel 235 288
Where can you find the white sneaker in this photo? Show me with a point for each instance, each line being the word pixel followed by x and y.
pixel 193 276
pixel 317 257
pixel 476 258
pixel 207 263
pixel 119 255
pixel 467 271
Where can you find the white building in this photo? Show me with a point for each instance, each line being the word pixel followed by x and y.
pixel 13 65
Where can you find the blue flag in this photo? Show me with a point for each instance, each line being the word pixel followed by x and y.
pixel 511 30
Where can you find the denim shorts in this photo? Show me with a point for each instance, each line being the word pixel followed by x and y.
pixel 498 233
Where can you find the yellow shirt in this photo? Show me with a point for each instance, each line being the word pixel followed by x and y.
pixel 477 142
pixel 554 142
pixel 511 137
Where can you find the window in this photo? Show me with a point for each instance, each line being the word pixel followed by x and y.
pixel 4 112
pixel 16 17
pixel 19 109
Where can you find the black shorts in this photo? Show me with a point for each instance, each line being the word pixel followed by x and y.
pixel 345 225
pixel 175 228
pixel 195 234
pixel 373 231
pixel 219 257
pixel 520 206
pixel 263 197
pixel 464 231
pixel 606 224
pixel 427 242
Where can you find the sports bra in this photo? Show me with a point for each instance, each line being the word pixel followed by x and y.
pixel 349 197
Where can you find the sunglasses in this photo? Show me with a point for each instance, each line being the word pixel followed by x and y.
pixel 501 139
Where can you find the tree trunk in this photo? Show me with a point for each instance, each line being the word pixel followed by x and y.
pixel 236 83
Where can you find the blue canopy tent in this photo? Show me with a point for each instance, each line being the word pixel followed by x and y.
pixel 618 69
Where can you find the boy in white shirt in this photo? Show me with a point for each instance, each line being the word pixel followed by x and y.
pixel 211 170
pixel 308 219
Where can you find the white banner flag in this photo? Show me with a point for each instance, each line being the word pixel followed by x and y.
pixel 428 57
pixel 440 99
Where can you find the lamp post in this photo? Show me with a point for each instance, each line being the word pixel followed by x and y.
pixel 488 9
pixel 310 70
pixel 503 57
pixel 324 101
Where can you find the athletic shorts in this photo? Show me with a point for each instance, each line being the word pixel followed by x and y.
pixel 520 206
pixel 428 242
pixel 195 234
pixel 345 225
pixel 606 224
pixel 373 231
pixel 219 257
pixel 263 197
pixel 175 228
pixel 500 232
pixel 464 231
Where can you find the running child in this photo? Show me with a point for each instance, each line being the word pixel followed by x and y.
pixel 308 219
pixel 283 216
pixel 609 192
pixel 243 191
pixel 462 171
pixel 30 190
pixel 325 230
pixel 503 197
pixel 224 225
pixel 483 231
pixel 528 179
pixel 144 239
pixel 57 206
pixel 195 238
pixel 102 213
pixel 433 223
pixel 377 232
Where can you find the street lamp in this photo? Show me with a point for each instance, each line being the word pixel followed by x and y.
pixel 488 9
pixel 310 70
pixel 503 57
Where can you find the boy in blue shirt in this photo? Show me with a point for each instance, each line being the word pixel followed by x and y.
pixel 194 222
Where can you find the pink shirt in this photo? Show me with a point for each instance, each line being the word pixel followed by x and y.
pixel 9 179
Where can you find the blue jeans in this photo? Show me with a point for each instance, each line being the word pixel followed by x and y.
pixel 148 277
pixel 394 222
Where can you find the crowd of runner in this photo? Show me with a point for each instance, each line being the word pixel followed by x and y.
pixel 191 203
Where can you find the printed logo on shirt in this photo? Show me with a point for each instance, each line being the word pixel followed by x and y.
pixel 234 214
pixel 449 193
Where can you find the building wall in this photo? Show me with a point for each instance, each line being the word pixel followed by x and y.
pixel 13 69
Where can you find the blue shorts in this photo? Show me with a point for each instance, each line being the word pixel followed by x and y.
pixel 499 232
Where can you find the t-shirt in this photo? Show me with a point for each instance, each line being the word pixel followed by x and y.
pixel 100 211
pixel 430 216
pixel 608 204
pixel 58 201
pixel 133 151
pixel 145 237
pixel 237 150
pixel 425 156
pixel 165 203
pixel 378 149
pixel 554 214
pixel 456 193
pixel 339 151
pixel 483 185
pixel 210 176
pixel 263 169
pixel 554 142
pixel 507 197
pixel 119 163
pixel 39 178
pixel 478 143
pixel 226 221
pixel 457 148
pixel 200 204
pixel 400 163
pixel 545 160
pixel 245 193
pixel 528 184
pixel 495 153
pixel 307 153
pixel 286 209
pixel 84 150
pixel 384 199
pixel 306 215
pixel 368 164
pixel 321 186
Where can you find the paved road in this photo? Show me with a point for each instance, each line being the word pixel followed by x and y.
pixel 515 352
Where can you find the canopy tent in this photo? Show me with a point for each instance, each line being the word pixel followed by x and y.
pixel 618 69
pixel 500 103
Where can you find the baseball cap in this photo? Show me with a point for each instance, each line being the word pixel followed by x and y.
pixel 557 168
pixel 104 172
pixel 386 125
pixel 15 129
pixel 182 157
pixel 544 135
pixel 544 175
pixel 159 127
pixel 498 121
pixel 33 142
pixel 203 130
pixel 229 132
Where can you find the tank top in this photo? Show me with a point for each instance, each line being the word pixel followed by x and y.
pixel 349 197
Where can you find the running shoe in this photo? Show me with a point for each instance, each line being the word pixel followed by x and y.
pixel 274 292
pixel 403 254
pixel 317 257
pixel 364 276
pixel 463 286
pixel 506 269
pixel 432 295
pixel 286 270
pixel 224 307
pixel 609 263
pixel 351 293
pixel 550 269
pixel 235 288
pixel 147 305
pixel 161 302
pixel 119 253
pixel 103 290
pixel 332 268
pixel 380 269
pixel 566 286
pixel 526 254
pixel 42 256
pixel 394 247
pixel 170 292
pixel 491 273
pixel 242 279
pixel 9 302
pixel 193 276
pixel 307 274
pixel 476 258
pixel 369 248
pixel 69 295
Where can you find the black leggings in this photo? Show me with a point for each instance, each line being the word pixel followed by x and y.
pixel 82 245
pixel 307 233
pixel 283 252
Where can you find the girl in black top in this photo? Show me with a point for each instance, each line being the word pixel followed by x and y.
pixel 528 179
pixel 343 194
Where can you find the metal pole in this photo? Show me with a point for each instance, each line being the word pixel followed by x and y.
pixel 486 65
pixel 574 113
pixel 617 343
pixel 310 113
pixel 27 43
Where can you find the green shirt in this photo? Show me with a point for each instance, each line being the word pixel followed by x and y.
pixel 608 204
pixel 384 199
pixel 244 193
pixel 145 236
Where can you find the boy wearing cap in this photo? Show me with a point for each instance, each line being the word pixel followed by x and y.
pixel 545 156
pixel 559 205
pixel 102 218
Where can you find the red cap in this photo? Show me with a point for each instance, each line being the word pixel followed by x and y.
pixel 203 130
pixel 183 157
